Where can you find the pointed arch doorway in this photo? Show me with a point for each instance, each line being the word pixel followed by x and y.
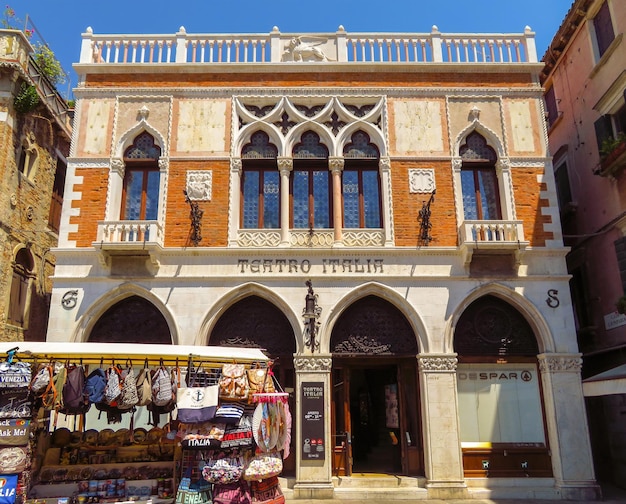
pixel 254 322
pixel 375 396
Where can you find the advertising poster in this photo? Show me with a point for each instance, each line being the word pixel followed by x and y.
pixel 313 421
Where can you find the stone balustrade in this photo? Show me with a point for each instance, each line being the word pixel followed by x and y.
pixel 129 232
pixel 492 232
pixel 341 46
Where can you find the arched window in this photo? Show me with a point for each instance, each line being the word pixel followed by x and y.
pixel 20 289
pixel 132 320
pixel 140 199
pixel 311 184
pixel 479 182
pixel 361 184
pixel 260 184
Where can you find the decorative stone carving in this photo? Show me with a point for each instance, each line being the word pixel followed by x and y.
pixel 320 364
pixel 474 113
pixel 440 363
pixel 284 163
pixel 301 50
pixel 164 164
pixel 143 113
pixel 560 363
pixel 235 165
pixel 384 163
pixel 421 180
pixel 117 165
pixel 199 185
pixel 336 164
pixel 457 163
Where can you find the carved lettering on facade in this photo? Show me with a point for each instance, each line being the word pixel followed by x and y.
pixel 328 266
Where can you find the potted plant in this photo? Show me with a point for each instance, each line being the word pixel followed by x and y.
pixel 621 305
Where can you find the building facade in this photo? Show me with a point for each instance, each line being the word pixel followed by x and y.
pixel 35 134
pixel 376 211
pixel 585 82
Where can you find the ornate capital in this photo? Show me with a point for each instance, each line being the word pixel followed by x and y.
pixel 235 165
pixel 503 164
pixel 569 363
pixel 319 364
pixel 285 164
pixel 457 163
pixel 384 163
pixel 117 166
pixel 437 364
pixel 164 163
pixel 336 164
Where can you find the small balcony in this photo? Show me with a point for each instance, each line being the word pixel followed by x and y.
pixel 129 237
pixel 614 161
pixel 492 237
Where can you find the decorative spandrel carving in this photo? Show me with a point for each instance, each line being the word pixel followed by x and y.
pixel 259 111
pixel 360 111
pixel 373 326
pixel 254 323
pixel 492 327
pixel 309 111
pixel 437 363
pixel 319 364
pixel 560 363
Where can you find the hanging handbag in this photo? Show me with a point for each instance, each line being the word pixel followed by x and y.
pixel 223 470
pixel 239 435
pixel 234 493
pixel 260 381
pixel 196 492
pixel 196 404
pixel 233 382
pixel 262 466
pixel 205 436
pixel 267 491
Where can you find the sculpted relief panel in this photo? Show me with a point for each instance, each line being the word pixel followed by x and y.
pixel 418 126
pixel 201 126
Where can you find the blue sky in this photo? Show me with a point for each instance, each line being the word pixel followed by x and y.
pixel 62 22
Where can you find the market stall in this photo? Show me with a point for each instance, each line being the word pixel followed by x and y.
pixel 119 422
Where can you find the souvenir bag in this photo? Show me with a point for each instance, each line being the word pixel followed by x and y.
pixel 234 493
pixel 144 386
pixel 95 384
pixel 196 492
pixel 223 470
pixel 197 404
pixel 262 466
pixel 75 399
pixel 203 436
pixel 113 389
pixel 238 435
pixel 163 393
pixel 233 382
pixel 128 397
pixel 260 381
pixel 41 380
pixel 267 491
pixel 229 413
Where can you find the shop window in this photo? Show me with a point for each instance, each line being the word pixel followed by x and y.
pixel 479 182
pixel 140 198
pixel 362 206
pixel 603 29
pixel 132 320
pixel 260 184
pixel 56 203
pixel 610 128
pixel 310 184
pixel 28 157
pixel 20 289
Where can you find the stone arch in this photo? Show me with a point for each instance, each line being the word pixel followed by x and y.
pixel 375 136
pixel 295 136
pixel 386 294
pixel 490 136
pixel 100 306
pixel 240 293
pixel 245 137
pixel 129 137
pixel 528 310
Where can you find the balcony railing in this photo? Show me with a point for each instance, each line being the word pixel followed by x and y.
pixel 129 234
pixel 492 234
pixel 341 46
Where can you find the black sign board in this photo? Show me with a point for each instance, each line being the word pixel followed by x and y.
pixel 313 442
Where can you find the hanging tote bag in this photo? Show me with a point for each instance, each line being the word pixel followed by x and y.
pixel 196 404
pixel 234 383
pixel 262 466
pixel 267 491
pixel 128 398
pixel 223 470
pixel 233 493
pixel 260 381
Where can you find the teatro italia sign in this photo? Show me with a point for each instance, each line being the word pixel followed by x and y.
pixel 329 266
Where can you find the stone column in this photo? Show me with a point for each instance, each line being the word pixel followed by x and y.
pixel 313 477
pixel 568 431
pixel 336 167
pixel 285 166
pixel 384 168
pixel 235 195
pixel 440 419
pixel 115 189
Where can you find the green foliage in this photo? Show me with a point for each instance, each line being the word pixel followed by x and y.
pixel 48 64
pixel 610 144
pixel 26 100
pixel 621 305
pixel 11 22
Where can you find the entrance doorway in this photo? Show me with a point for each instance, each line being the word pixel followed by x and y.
pixel 375 420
